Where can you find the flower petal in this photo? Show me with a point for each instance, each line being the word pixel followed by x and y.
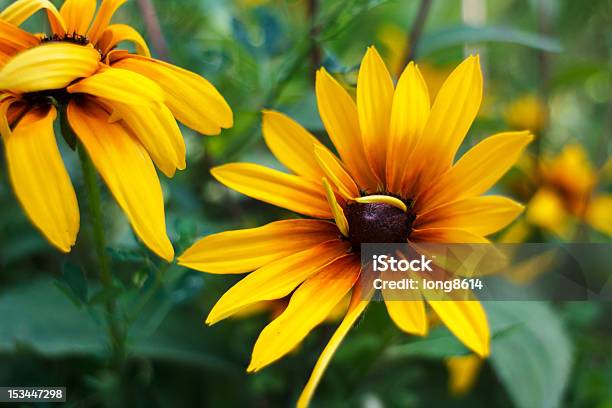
pixel 339 115
pixel 408 315
pixel 482 215
pixel 128 172
pixel 599 213
pixel 446 236
pixel 277 279
pixel 248 249
pixel 452 114
pixel 20 10
pixel 192 99
pixel 336 174
pixel 336 210
pixel 309 306
pixel 358 304
pixel 477 170
pixel 77 15
pixel 103 18
pixel 48 66
pixel 158 132
pixel 116 33
pixel 374 100
pixel 39 178
pixel 463 372
pixel 120 85
pixel 409 115
pixel 13 39
pixel 291 144
pixel 274 187
pixel 467 320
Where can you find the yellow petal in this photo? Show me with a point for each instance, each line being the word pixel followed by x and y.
pixel 334 171
pixel 482 215
pixel 116 33
pixel 120 85
pixel 274 187
pixel 467 320
pixel 309 306
pixel 77 15
pixel 446 236
pixel 13 39
pixel 358 304
pixel 408 315
pixel 339 115
pixel 192 99
pixel 103 18
pixel 39 178
pixel 381 198
pixel 336 210
pixel 20 10
pixel 477 170
pixel 158 132
pixel 463 372
pixel 452 114
pixel 291 144
pixel 277 279
pixel 248 249
pixel 128 172
pixel 599 213
pixel 48 66
pixel 374 100
pixel 409 114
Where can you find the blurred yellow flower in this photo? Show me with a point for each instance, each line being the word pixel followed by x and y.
pixel 463 372
pixel 395 180
pixel 121 106
pixel 566 193
pixel 527 112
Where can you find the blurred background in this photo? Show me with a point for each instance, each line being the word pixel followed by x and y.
pixel 547 67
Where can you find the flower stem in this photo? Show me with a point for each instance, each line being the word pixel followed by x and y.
pixel 116 335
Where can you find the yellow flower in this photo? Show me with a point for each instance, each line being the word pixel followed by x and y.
pixel 566 191
pixel 120 105
pixel 395 180
pixel 463 372
pixel 527 112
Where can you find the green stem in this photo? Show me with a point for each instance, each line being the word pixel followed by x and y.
pixel 117 339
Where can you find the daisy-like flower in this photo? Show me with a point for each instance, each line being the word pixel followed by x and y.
pixel 566 192
pixel 121 106
pixel 395 181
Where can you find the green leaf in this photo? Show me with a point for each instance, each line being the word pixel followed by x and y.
pixel 465 34
pixel 104 295
pixel 533 360
pixel 440 343
pixel 74 283
pixel 52 326
pixel 40 317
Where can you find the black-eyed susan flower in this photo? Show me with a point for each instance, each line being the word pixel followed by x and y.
pixel 121 106
pixel 394 180
pixel 566 192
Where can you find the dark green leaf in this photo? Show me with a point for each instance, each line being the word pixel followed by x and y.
pixel 532 360
pixel 465 34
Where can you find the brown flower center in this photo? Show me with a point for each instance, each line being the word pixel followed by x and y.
pixel 71 38
pixel 377 223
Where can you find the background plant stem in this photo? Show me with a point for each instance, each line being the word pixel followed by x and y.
pixel 116 334
pixel 415 32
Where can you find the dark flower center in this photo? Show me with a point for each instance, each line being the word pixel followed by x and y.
pixel 71 38
pixel 377 223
